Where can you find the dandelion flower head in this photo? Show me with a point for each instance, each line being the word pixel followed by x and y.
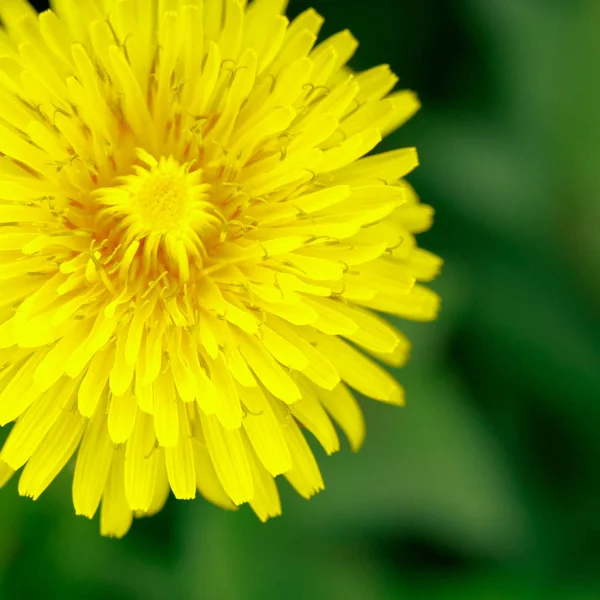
pixel 194 245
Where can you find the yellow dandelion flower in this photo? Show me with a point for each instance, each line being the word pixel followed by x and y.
pixel 192 246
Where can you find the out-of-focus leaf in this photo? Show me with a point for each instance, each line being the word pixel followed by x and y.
pixel 495 586
pixel 528 319
pixel 432 468
pixel 231 557
pixel 578 154
pixel 486 178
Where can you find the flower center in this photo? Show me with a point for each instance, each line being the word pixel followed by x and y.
pixel 159 217
pixel 162 202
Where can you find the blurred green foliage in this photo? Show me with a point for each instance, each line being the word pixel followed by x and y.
pixel 486 486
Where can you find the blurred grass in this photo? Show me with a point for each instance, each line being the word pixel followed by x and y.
pixel 486 486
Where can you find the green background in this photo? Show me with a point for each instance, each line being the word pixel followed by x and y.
pixel 486 485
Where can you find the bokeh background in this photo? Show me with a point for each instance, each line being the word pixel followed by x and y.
pixel 486 485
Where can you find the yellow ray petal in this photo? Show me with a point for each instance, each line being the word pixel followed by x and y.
pixel 207 481
pixel 93 465
pixel 267 369
pixel 310 413
pixel 358 371
pixel 162 488
pixel 166 410
pixel 31 429
pixel 115 515
pixel 141 464
pixel 52 454
pixel 265 501
pixel 228 456
pixel 343 407
pixel 122 411
pixel 304 475
pixel 264 432
pixel 180 465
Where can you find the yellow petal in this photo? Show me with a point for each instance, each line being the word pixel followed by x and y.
pixel 162 488
pixel 141 464
pixel 180 465
pixel 265 502
pixel 229 411
pixel 166 420
pixel 283 350
pixel 304 476
pixel 30 430
pixel 344 408
pixel 264 432
pixel 228 456
pixel 373 333
pixel 310 413
pixel 18 392
pixel 207 482
pixel 122 372
pixel 5 473
pixel 358 371
pixel 387 166
pixel 115 515
pixel 267 369
pixel 122 411
pixel 319 368
pixel 52 454
pixel 93 465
